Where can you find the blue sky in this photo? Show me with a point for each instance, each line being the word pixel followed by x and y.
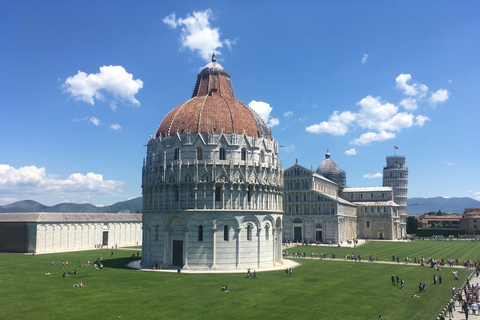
pixel 85 83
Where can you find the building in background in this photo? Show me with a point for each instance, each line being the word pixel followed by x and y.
pixel 319 208
pixel 47 232
pixel 395 175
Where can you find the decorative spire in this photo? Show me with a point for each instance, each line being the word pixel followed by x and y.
pixel 213 58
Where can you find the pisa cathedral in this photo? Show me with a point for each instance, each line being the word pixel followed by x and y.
pixel 319 208
pixel 214 197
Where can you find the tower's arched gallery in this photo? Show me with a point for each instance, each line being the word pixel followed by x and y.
pixel 212 184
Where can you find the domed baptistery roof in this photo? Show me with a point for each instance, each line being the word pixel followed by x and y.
pixel 213 108
pixel 212 184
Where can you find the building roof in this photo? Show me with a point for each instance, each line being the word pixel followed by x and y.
pixel 449 217
pixel 69 217
pixel 376 203
pixel 368 189
pixel 213 108
pixel 328 165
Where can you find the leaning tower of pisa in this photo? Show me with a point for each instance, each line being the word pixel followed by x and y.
pixel 395 175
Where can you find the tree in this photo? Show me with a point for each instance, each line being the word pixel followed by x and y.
pixel 412 224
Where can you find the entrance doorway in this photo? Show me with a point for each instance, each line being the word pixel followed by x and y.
pixel 318 236
pixel 297 233
pixel 105 238
pixel 177 253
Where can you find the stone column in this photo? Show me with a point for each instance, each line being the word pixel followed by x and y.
pixel 259 255
pixel 185 249
pixel 238 247
pixel 214 243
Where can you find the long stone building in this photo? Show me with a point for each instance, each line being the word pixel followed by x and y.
pixel 212 184
pixel 47 232
pixel 319 208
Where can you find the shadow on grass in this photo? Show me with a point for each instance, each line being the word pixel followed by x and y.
pixel 119 263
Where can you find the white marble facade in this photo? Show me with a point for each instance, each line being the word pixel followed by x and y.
pixel 212 212
pixel 60 232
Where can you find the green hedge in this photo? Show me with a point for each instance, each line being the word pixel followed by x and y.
pixel 439 232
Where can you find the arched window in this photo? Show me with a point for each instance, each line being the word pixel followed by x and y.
pixel 262 156
pixel 156 232
pixel 222 154
pixel 244 154
pixel 267 232
pixel 225 233
pixel 249 233
pixel 177 154
pixel 218 193
pixel 177 195
pixel 200 233
pixel 368 224
pixel 199 153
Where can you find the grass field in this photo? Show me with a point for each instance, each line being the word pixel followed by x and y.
pixel 318 289
pixel 461 250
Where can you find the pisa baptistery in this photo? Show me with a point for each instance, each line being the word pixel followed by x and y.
pixel 212 184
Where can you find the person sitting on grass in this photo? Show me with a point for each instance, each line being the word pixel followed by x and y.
pixel 414 295
pixel 224 289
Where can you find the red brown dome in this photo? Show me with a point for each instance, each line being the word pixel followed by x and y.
pixel 213 108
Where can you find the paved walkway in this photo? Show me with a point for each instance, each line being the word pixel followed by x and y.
pixel 286 264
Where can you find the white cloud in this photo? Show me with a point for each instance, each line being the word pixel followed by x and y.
pixel 373 112
pixel 380 118
pixel 288 114
pixel 476 196
pixel 263 109
pixel 336 125
pixel 197 35
pixel 95 121
pixel 368 137
pixel 409 103
pixel 113 106
pixel 365 58
pixel 113 80
pixel 351 152
pixel 115 126
pixel 440 96
pixel 420 120
pixel 31 182
pixel 417 89
pixel 289 148
pixel 448 163
pixel 371 176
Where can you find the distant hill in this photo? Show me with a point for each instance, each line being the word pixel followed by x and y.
pixel 449 205
pixel 132 205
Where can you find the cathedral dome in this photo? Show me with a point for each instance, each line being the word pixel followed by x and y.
pixel 328 166
pixel 213 108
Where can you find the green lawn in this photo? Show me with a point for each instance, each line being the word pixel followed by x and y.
pixel 318 289
pixel 461 250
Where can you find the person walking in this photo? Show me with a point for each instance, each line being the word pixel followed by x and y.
pixel 393 279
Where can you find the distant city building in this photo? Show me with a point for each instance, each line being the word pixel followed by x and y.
pixel 46 232
pixel 470 221
pixel 212 184
pixel 318 207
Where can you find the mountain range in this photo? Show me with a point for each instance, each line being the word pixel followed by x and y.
pixel 414 206
pixel 132 205
pixel 449 205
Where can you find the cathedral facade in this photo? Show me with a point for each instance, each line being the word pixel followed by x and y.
pixel 319 208
pixel 212 184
